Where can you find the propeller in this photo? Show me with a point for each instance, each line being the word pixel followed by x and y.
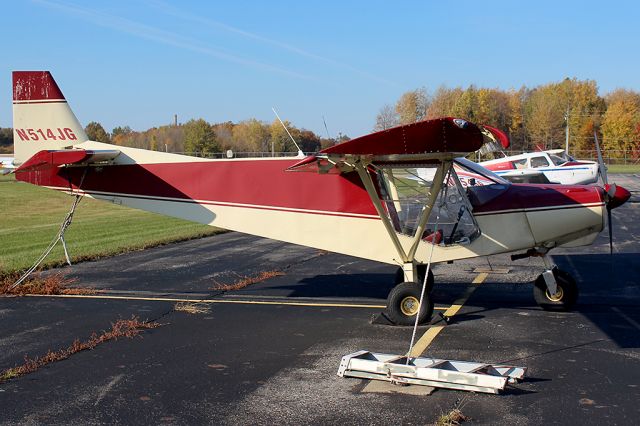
pixel 602 169
pixel 609 216
pixel 614 195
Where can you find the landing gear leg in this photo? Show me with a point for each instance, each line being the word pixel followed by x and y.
pixel 420 271
pixel 555 289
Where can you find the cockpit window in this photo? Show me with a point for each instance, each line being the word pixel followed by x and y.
pixel 539 162
pixel 557 161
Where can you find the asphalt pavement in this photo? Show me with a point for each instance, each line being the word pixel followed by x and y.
pixel 269 353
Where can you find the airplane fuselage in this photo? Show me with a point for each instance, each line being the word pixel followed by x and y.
pixel 326 211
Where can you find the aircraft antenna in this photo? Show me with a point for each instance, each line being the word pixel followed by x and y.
pixel 325 127
pixel 300 153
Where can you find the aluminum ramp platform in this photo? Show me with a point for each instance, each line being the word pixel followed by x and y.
pixel 460 375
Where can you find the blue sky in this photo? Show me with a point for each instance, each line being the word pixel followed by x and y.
pixel 138 62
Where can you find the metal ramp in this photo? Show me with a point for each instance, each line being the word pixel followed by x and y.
pixel 461 375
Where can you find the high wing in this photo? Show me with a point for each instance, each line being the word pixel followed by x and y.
pixel 425 142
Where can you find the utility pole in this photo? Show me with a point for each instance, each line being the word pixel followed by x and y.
pixel 566 145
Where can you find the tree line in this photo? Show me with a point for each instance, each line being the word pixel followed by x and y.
pixel 198 137
pixel 6 140
pixel 532 117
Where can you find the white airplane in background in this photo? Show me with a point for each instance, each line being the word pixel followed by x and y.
pixel 552 166
pixel 6 165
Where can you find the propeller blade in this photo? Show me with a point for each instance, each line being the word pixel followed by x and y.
pixel 601 166
pixel 610 230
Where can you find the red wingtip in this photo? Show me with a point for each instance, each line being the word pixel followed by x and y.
pixel 499 135
pixel 35 86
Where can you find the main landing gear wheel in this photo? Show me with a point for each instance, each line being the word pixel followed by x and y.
pixel 566 296
pixel 399 278
pixel 403 304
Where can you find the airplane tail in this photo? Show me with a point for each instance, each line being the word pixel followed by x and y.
pixel 42 119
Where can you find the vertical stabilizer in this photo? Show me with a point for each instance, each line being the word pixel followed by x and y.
pixel 42 118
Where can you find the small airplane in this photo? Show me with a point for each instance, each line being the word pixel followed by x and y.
pixel 551 166
pixel 6 165
pixel 405 196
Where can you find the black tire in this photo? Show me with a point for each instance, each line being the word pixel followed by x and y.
pixel 403 304
pixel 564 299
pixel 399 278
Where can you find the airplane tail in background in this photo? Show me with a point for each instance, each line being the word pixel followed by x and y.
pixel 42 119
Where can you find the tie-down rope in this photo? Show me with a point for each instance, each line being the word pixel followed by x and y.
pixel 59 236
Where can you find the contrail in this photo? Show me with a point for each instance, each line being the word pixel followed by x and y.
pixel 158 35
pixel 167 9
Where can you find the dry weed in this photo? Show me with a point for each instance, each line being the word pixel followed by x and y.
pixel 43 285
pixel 122 328
pixel 453 418
pixel 191 308
pixel 247 281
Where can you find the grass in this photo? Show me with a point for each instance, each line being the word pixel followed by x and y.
pixel 122 328
pixel 30 217
pixel 623 168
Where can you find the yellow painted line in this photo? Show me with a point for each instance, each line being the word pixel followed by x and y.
pixel 480 278
pixel 238 302
pixel 428 337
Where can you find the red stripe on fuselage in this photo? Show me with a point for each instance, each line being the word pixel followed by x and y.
pixel 507 165
pixel 251 182
pixel 264 184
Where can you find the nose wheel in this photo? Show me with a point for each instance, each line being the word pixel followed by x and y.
pixel 563 298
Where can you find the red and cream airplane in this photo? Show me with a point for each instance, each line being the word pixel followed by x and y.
pixel 404 196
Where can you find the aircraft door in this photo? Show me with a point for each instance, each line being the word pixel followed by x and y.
pixel 452 214
pixel 405 193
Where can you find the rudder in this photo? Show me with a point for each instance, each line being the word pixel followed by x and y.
pixel 42 119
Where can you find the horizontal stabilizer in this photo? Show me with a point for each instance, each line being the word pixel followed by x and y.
pixel 55 158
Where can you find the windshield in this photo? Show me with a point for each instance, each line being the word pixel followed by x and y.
pixel 473 174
